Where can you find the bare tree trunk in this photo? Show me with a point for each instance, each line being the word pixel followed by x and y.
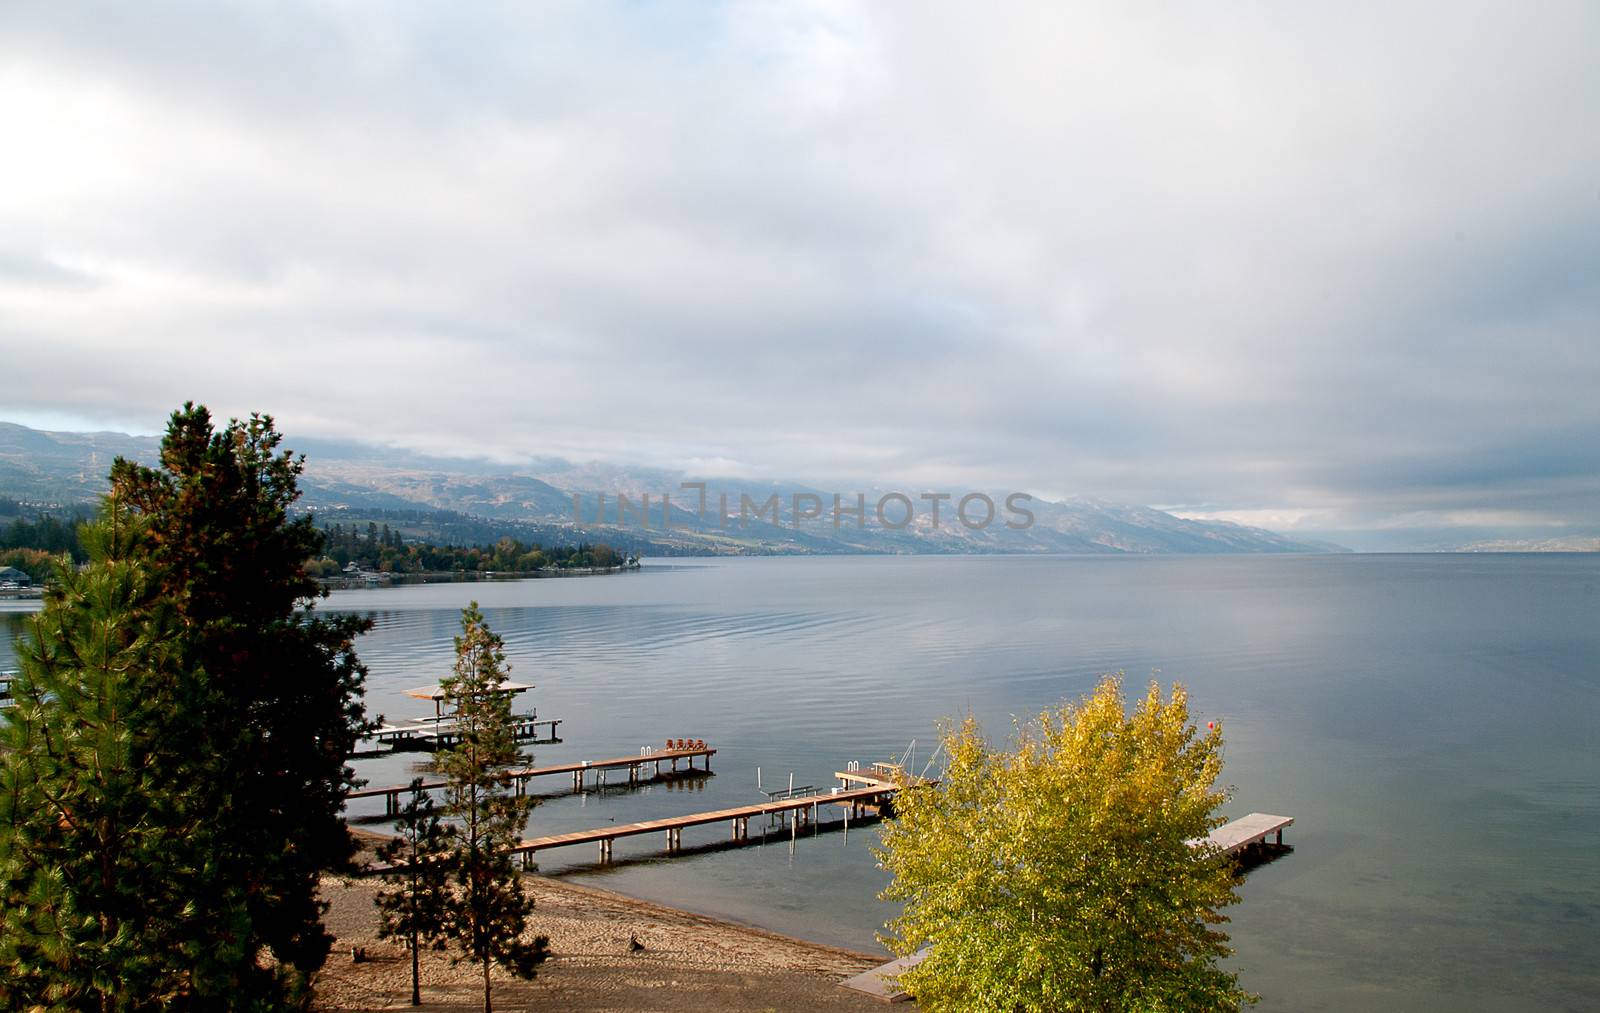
pixel 416 983
pixel 486 1007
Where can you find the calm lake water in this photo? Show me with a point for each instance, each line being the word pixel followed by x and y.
pixel 1430 721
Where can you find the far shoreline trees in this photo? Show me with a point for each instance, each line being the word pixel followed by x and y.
pixel 34 546
pixel 1062 874
pixel 384 550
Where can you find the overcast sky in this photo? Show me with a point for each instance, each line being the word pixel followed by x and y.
pixel 1324 268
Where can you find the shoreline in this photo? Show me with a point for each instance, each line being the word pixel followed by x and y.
pixel 689 962
pixel 602 895
pixel 392 579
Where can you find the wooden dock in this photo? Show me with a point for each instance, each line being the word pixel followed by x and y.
pixel 803 810
pixel 877 773
pixel 437 730
pixel 634 765
pixel 430 734
pixel 1249 830
pixel 1232 838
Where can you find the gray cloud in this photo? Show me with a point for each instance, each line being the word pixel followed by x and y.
pixel 1325 266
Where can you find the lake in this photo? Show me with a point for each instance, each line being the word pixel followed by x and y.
pixel 1430 721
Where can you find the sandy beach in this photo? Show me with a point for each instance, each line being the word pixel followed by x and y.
pixel 689 962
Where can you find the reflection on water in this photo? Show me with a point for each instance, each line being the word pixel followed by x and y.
pixel 1431 721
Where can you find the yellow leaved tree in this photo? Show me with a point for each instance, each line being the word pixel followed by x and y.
pixel 1064 874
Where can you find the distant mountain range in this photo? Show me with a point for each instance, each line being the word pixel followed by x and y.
pixel 472 500
pixel 1568 543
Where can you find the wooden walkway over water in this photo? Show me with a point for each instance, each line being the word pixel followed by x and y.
pixel 431 735
pixel 801 809
pixel 634 765
pixel 1245 831
pixel 438 730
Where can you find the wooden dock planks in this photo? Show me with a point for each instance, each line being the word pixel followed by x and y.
pixel 857 799
pixel 1234 837
pixel 391 793
pixel 432 733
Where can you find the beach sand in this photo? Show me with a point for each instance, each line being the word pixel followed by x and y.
pixel 689 962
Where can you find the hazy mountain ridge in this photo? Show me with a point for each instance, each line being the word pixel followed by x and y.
pixel 1570 543
pixel 46 467
pixel 343 478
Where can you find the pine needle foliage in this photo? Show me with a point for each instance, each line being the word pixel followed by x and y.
pixel 176 769
pixel 93 852
pixel 414 903
pixel 262 736
pixel 1060 875
pixel 490 909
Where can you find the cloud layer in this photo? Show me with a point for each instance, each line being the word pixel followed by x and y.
pixel 1324 266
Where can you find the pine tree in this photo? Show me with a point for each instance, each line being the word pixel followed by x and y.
pixel 413 905
pixel 261 739
pixel 489 910
pixel 97 863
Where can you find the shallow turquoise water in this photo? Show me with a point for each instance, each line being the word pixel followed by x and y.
pixel 1431 722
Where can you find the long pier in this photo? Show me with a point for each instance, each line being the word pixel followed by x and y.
pixel 635 765
pixel 803 809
